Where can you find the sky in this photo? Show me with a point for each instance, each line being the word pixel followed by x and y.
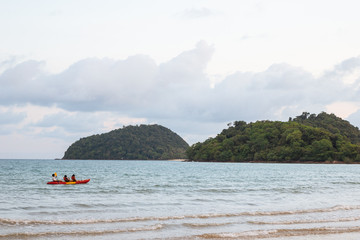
pixel 70 69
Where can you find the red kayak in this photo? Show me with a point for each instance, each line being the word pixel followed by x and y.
pixel 77 182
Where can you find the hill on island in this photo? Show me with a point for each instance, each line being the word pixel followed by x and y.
pixel 144 142
pixel 306 138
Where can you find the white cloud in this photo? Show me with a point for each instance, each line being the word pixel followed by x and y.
pixel 179 88
pixel 198 12
pixel 23 146
pixel 9 117
pixel 97 95
pixel 343 109
pixel 160 87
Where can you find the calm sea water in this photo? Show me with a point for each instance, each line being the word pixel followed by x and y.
pixel 179 200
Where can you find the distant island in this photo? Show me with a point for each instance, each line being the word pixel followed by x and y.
pixel 144 142
pixel 308 138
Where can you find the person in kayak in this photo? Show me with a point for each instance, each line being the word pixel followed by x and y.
pixel 73 178
pixel 66 179
pixel 54 178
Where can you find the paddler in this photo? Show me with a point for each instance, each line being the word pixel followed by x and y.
pixel 73 178
pixel 54 178
pixel 66 179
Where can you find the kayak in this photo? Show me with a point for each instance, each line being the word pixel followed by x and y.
pixel 77 182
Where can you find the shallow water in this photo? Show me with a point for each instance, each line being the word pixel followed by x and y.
pixel 179 200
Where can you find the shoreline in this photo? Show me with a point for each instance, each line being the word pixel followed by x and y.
pixel 214 161
pixel 277 162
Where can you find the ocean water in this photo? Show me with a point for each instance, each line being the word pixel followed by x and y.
pixel 179 200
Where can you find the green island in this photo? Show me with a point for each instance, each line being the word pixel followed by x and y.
pixel 308 138
pixel 144 142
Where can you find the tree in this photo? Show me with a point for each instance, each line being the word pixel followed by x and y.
pixel 132 142
pixel 308 137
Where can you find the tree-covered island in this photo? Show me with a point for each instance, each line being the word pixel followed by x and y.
pixel 306 138
pixel 144 142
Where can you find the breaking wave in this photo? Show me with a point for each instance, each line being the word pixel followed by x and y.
pixel 5 221
pixel 79 233
pixel 279 233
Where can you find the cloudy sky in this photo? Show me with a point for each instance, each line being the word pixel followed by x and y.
pixel 70 69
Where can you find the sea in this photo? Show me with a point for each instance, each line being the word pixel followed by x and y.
pixel 179 200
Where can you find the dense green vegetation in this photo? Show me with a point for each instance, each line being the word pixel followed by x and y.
pixel 142 142
pixel 306 138
pixel 330 122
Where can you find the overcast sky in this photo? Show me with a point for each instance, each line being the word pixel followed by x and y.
pixel 70 69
